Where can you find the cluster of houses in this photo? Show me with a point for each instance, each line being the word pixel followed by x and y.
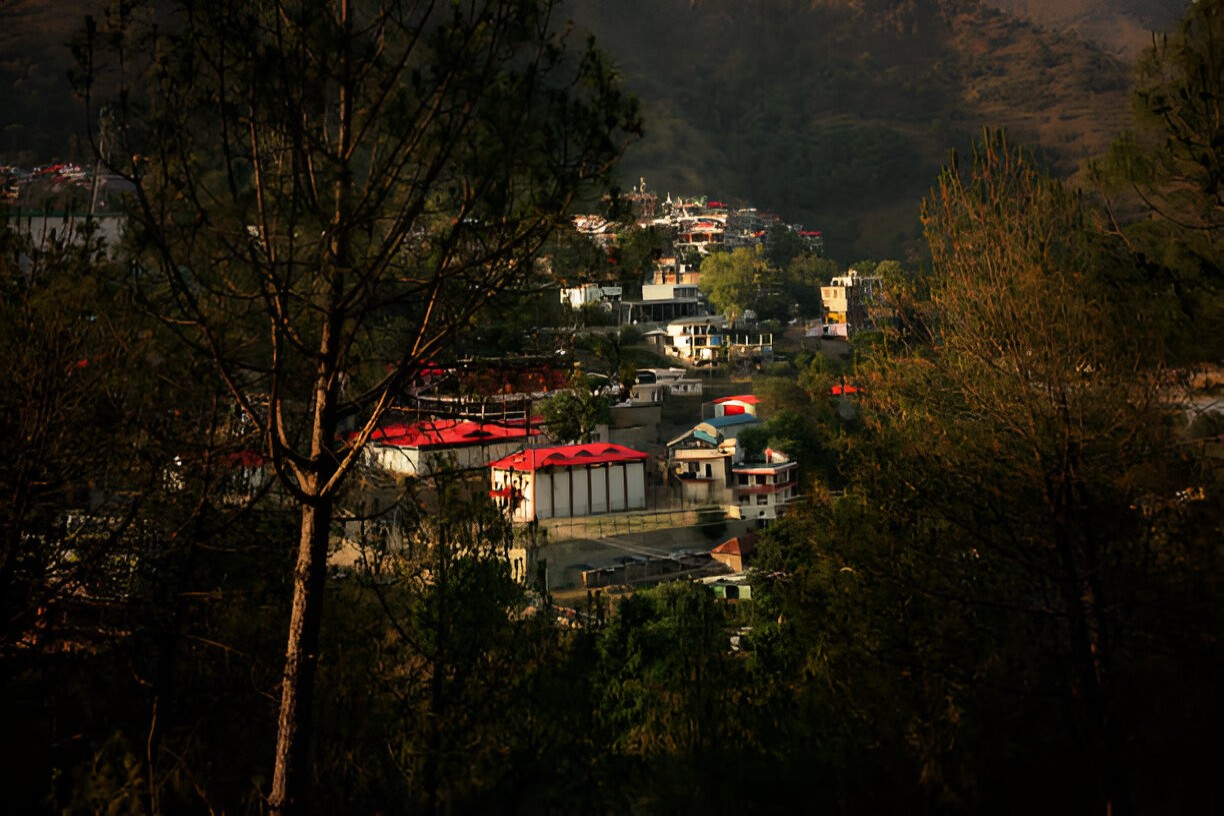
pixel 532 478
pixel 16 181
pixel 671 302
pixel 628 469
pixel 701 224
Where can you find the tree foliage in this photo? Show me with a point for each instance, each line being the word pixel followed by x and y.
pixel 730 280
pixel 1018 473
pixel 306 172
pixel 1165 178
pixel 575 414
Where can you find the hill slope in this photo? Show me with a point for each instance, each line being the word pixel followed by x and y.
pixel 1121 27
pixel 839 113
pixel 834 113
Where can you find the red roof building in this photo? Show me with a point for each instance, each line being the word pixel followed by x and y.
pixel 420 448
pixel 731 406
pixel 570 481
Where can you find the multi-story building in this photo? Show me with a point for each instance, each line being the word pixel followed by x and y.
pixel 845 302
pixel 698 339
pixel 662 302
pixel 761 490
pixel 430 446
pixel 711 468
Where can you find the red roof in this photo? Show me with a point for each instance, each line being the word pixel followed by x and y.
pixel 446 433
pixel 839 389
pixel 747 399
pixel 597 453
pixel 744 545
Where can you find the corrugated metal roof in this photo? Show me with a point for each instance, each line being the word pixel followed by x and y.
pixel 729 421
pixel 447 433
pixel 597 453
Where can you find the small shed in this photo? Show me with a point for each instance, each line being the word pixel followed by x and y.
pixel 732 406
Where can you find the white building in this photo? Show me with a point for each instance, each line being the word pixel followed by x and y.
pixel 698 339
pixel 669 291
pixel 662 302
pixel 590 293
pixel 569 481
pixel 701 458
pixel 761 490
pixel 845 302
pixel 421 448
pixel 711 466
pixel 675 380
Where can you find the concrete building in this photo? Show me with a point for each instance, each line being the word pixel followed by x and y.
pixel 762 490
pixel 569 481
pixel 845 303
pixel 589 294
pixel 697 339
pixel 662 302
pixel 421 448
pixel 701 458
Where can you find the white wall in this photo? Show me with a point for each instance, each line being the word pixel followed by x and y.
pixel 577 491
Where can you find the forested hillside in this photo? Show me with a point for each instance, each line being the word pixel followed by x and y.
pixel 42 120
pixel 835 114
pixel 838 114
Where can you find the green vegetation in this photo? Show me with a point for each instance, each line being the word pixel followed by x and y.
pixel 1163 180
pixel 838 114
pixel 573 415
pixel 999 593
pixel 1023 520
pixel 748 278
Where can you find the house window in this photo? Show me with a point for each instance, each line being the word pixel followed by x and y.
pixel 763 499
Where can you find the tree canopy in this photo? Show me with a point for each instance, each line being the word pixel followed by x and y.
pixel 307 173
pixel 1164 178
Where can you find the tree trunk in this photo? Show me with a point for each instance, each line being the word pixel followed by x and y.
pixel 289 778
pixel 1088 654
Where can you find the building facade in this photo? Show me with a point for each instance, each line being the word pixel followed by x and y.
pixel 569 481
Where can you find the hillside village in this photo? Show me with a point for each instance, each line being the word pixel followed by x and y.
pixel 349 471
pixel 665 487
pixel 662 487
